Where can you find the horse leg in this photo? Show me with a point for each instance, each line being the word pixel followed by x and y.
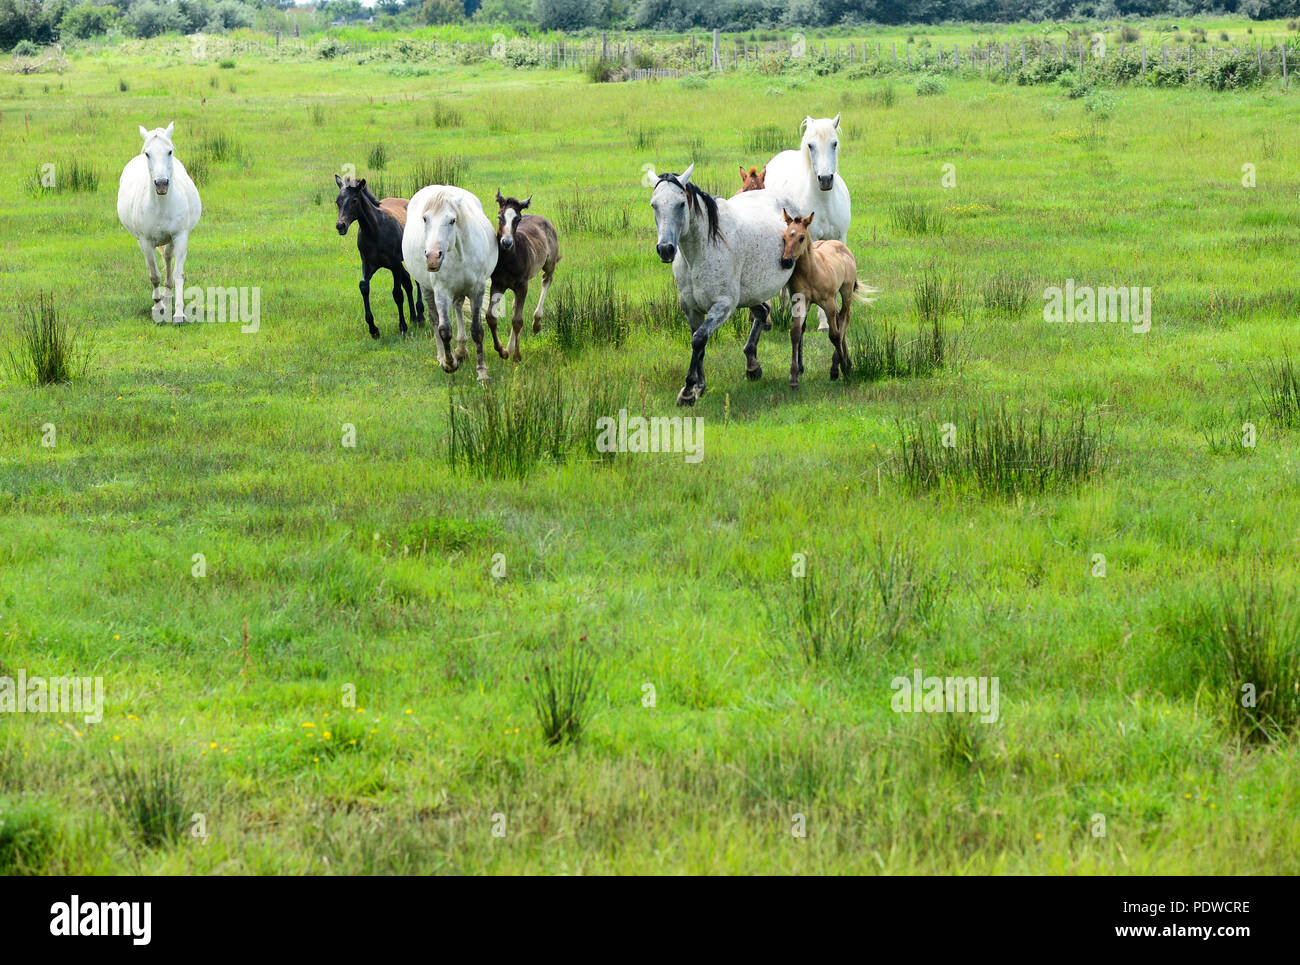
pixel 517 320
pixel 413 298
pixel 180 247
pixel 718 313
pixel 758 324
pixel 399 296
pixel 833 334
pixel 159 294
pixel 493 313
pixel 547 275
pixel 462 343
pixel 367 269
pixel 846 302
pixel 167 267
pixel 476 331
pixel 441 303
pixel 797 316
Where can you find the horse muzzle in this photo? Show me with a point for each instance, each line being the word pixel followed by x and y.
pixel 342 227
pixel 433 262
pixel 507 244
pixel 826 182
pixel 787 263
pixel 666 253
pixel 161 186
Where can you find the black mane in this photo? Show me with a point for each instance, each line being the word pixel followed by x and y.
pixel 698 198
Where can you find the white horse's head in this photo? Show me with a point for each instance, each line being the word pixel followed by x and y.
pixel 441 215
pixel 157 153
pixel 821 146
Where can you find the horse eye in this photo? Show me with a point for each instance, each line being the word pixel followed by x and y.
pixel 835 145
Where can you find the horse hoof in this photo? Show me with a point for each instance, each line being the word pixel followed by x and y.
pixel 537 325
pixel 835 376
pixel 374 333
pixel 483 375
pixel 767 326
pixel 503 353
pixel 755 373
pixel 462 353
pixel 688 395
pixel 794 381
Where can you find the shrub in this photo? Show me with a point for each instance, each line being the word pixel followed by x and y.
pixel 87 20
pixel 927 85
pixel 25 48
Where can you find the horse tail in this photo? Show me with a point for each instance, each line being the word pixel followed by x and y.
pixel 861 291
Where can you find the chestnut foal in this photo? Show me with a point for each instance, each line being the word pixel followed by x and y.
pixel 821 270
pixel 752 180
pixel 527 244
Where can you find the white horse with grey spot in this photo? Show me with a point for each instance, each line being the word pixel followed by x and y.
pixel 726 254
pixel 158 203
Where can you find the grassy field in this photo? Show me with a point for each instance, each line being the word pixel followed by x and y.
pixel 375 569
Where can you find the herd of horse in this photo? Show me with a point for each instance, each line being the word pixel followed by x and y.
pixel 782 235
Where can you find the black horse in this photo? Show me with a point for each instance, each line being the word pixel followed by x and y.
pixel 379 239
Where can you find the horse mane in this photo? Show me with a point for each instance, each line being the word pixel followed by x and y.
pixel 437 200
pixel 697 199
pixel 370 196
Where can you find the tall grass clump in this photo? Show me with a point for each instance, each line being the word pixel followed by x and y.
pixel 45 350
pixel 505 431
pixel 72 174
pixel 1280 392
pixel 149 796
pixel 997 454
pixel 1246 641
pixel 378 157
pixel 1007 293
pixel 878 354
pixel 936 294
pixel 602 71
pixel 581 213
pixel 560 689
pixel 911 218
pixel 592 310
pixel 444 115
pixel 766 140
pixel 842 613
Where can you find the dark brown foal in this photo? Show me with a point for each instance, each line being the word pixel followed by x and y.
pixel 526 244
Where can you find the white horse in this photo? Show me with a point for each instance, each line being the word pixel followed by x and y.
pixel 809 180
pixel 159 204
pixel 726 254
pixel 450 249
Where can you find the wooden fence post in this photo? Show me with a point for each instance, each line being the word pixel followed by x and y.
pixel 1286 79
pixel 717 57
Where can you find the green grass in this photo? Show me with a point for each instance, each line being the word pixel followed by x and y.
pixel 368 574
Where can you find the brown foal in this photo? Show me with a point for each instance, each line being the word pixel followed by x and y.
pixel 822 269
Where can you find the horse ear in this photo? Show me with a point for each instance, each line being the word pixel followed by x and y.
pixel 743 175
pixel 143 133
pixel 786 215
pixel 803 126
pixel 526 202
pixel 501 201
pixel 170 127
pixel 685 176
pixel 762 175
pixel 338 180
pixel 361 183
pixel 837 122
pixel 807 222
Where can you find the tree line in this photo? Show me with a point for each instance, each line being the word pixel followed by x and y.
pixel 50 21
